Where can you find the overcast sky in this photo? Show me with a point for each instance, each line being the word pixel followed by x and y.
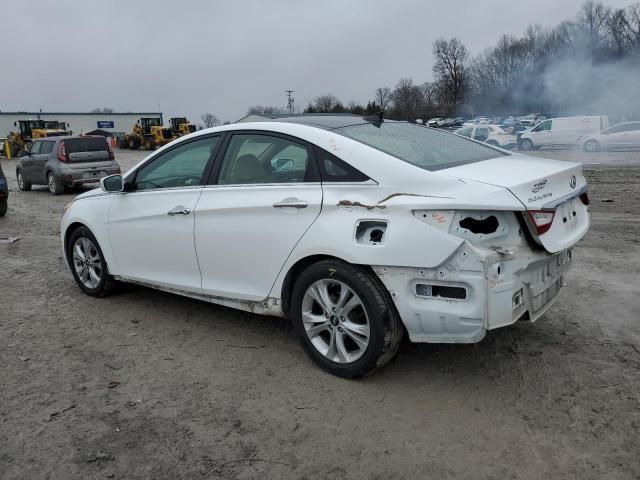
pixel 193 57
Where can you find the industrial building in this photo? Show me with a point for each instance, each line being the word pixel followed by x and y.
pixel 79 122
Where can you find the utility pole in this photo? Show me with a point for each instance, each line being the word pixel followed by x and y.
pixel 290 101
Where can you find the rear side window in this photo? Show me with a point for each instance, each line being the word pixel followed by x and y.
pixel 426 148
pixel 47 147
pixel 86 144
pixel 332 169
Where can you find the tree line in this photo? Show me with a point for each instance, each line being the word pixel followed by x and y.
pixel 588 65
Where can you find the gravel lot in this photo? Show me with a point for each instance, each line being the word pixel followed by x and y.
pixel 145 384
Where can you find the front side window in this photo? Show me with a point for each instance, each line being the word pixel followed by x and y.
pixel 264 159
pixel 426 148
pixel 182 166
pixel 35 148
pixel 543 127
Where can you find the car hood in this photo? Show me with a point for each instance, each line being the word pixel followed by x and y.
pixel 90 193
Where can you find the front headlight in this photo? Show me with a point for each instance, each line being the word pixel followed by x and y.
pixel 65 208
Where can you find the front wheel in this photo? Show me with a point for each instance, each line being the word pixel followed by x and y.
pixel 591 146
pixel 526 144
pixel 345 319
pixel 22 183
pixel 88 266
pixel 3 207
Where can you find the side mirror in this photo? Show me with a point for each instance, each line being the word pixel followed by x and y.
pixel 112 183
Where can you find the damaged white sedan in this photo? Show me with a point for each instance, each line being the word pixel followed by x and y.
pixel 356 229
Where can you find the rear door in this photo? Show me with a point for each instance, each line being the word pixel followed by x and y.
pixel 264 194
pixel 40 160
pixel 630 137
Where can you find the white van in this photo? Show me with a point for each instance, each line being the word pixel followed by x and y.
pixel 561 131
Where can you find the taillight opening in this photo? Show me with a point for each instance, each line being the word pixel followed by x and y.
pixel 62 152
pixel 584 198
pixel 541 220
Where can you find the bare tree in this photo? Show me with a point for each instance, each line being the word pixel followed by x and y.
pixel 450 68
pixel 209 120
pixel 326 103
pixel 407 98
pixel 264 110
pixel 383 97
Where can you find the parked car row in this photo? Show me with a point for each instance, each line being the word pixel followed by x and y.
pixel 589 133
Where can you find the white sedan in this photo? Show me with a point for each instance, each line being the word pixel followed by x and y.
pixel 358 230
pixel 490 134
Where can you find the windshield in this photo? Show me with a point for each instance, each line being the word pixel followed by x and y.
pixel 423 147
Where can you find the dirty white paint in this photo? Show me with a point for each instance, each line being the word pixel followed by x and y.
pixel 236 250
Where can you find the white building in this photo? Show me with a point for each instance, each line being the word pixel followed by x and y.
pixel 78 122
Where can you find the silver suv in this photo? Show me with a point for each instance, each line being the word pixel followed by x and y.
pixel 61 162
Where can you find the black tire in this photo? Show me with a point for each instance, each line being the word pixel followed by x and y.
pixel 54 185
pixel 4 205
pixel 385 326
pixel 591 146
pixel 493 143
pixel 23 185
pixel 107 283
pixel 526 145
pixel 133 144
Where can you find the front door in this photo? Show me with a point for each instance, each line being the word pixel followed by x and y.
pixel 151 227
pixel 266 195
pixel 29 163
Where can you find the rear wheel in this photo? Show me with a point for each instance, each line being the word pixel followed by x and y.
pixel 88 266
pixel 149 144
pixel 3 206
pixel 526 144
pixel 591 146
pixel 22 183
pixel 345 319
pixel 55 187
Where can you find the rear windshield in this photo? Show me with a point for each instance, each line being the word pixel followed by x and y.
pixel 86 144
pixel 423 147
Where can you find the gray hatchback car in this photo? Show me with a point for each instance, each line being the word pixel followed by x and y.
pixel 61 162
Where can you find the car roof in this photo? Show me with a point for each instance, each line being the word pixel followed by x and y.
pixel 326 122
pixel 68 137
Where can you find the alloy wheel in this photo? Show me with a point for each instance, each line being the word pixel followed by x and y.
pixel 20 181
pixel 86 262
pixel 51 183
pixel 335 321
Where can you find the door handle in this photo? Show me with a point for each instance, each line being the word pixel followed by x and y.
pixel 179 210
pixel 291 203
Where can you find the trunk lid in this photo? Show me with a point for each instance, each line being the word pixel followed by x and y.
pixel 539 184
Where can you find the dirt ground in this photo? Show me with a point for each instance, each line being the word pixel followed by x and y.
pixel 145 384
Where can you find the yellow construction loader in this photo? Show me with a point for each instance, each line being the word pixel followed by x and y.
pixel 29 130
pixel 148 133
pixel 180 126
